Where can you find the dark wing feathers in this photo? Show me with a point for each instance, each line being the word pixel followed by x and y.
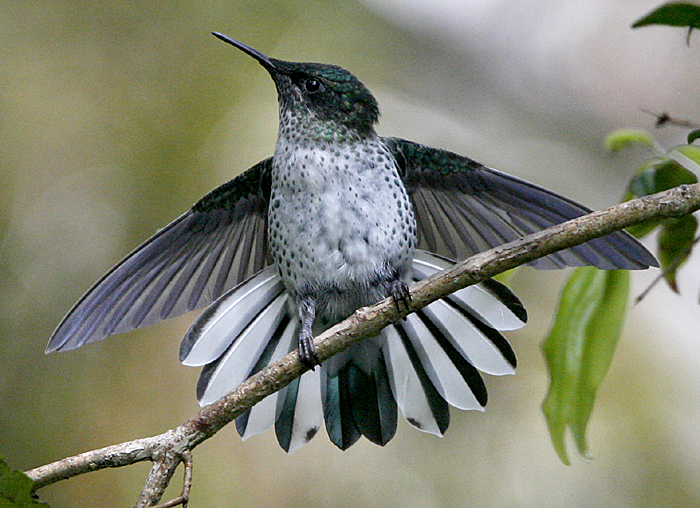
pixel 463 208
pixel 186 265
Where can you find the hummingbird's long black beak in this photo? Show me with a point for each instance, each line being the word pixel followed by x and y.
pixel 260 57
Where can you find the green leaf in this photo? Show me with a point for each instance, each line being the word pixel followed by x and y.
pixel 676 240
pixel 643 182
pixel 505 277
pixel 673 14
pixel 692 152
pixel 579 350
pixel 656 175
pixel 622 138
pixel 659 174
pixel 16 489
pixel 693 135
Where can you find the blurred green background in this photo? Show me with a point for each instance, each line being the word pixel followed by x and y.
pixel 116 116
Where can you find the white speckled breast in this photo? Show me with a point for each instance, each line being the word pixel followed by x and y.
pixel 341 225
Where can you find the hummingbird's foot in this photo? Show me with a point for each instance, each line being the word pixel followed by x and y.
pixel 399 292
pixel 307 350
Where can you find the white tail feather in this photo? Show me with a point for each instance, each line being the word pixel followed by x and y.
pixel 406 386
pixel 467 339
pixel 440 369
pixel 308 412
pixel 230 314
pixel 239 359
pixel 485 305
pixel 263 414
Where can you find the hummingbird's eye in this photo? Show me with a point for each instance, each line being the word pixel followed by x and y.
pixel 312 85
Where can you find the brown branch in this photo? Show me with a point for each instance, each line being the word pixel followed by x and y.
pixel 174 446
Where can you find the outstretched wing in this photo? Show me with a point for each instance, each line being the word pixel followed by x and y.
pixel 220 242
pixel 463 208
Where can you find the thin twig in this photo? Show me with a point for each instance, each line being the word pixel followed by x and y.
pixel 663 119
pixel 183 498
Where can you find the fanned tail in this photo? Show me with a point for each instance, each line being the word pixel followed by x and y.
pixel 420 366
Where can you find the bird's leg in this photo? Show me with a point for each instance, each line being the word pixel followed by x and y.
pixel 399 292
pixel 307 350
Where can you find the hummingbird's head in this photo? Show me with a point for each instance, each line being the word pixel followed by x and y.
pixel 329 95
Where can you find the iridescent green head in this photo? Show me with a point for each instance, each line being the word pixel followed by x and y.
pixel 327 92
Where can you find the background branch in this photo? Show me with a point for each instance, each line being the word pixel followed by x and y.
pixel 167 450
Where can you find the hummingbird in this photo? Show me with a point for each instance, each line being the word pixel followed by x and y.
pixel 336 219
